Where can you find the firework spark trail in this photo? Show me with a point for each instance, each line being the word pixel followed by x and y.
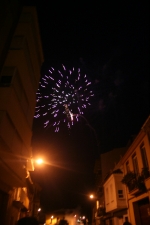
pixel 62 94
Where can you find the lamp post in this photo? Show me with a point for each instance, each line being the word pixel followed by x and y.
pixel 36 200
pixel 95 206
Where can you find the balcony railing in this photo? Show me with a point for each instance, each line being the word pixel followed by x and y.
pixel 101 212
pixel 134 181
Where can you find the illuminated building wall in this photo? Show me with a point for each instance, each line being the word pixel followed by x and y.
pixel 19 78
pixel 137 161
pixel 127 188
pixel 106 183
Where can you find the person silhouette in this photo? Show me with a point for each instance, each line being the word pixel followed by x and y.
pixel 126 221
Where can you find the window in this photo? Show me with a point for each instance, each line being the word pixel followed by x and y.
pixel 144 156
pixel 7 75
pixel 111 192
pixel 135 164
pixel 120 193
pixel 127 167
pixel 107 196
pixel 5 81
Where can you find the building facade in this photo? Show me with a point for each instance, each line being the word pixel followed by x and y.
pixel 21 59
pixel 103 168
pixel 125 190
pixel 123 183
pixel 115 199
pixel 136 169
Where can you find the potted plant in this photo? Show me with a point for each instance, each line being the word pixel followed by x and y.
pixel 130 180
pixel 128 177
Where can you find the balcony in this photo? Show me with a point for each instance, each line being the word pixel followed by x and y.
pixel 114 190
pixel 101 212
pixel 136 184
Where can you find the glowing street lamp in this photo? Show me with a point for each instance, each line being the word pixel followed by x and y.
pixel 39 161
pixel 91 196
pixel 96 200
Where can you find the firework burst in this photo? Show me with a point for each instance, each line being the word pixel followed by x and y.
pixel 63 96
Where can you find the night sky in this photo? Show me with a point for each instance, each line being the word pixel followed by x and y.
pixel 110 42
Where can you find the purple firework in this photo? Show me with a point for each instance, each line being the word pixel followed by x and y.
pixel 63 95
